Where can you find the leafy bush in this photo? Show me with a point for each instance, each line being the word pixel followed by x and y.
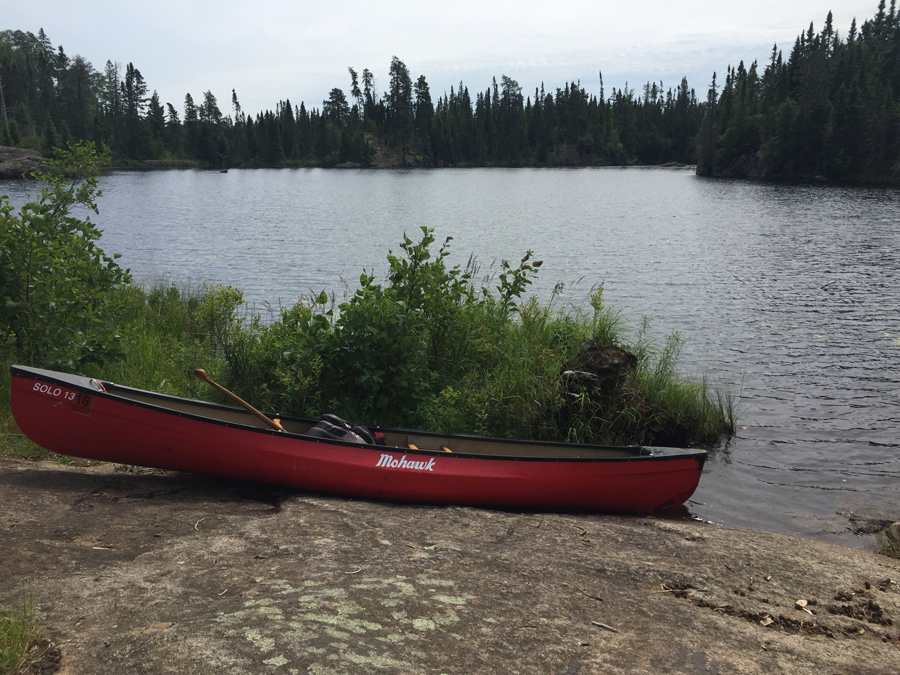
pixel 383 354
pixel 428 349
pixel 55 282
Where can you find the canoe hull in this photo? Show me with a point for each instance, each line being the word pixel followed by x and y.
pixel 73 416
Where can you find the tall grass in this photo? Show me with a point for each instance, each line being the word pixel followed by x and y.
pixel 17 631
pixel 164 333
pixel 515 389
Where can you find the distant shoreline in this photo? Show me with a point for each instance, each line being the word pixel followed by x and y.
pixel 19 163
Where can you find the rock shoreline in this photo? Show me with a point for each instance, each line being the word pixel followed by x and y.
pixel 161 572
pixel 19 162
pixel 22 162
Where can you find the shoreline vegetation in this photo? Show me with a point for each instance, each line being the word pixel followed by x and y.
pixel 429 347
pixel 828 110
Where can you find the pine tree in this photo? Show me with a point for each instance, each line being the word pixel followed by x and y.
pixel 156 124
pixel 134 101
pixel 174 140
pixel 335 108
pixel 707 139
pixel 400 105
pixel 355 91
pixel 236 108
pixel 191 122
pixel 424 111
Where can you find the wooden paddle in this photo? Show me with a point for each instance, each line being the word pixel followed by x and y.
pixel 274 424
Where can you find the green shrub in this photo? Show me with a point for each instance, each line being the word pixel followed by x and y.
pixel 430 350
pixel 55 282
pixel 383 354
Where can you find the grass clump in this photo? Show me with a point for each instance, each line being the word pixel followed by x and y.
pixel 17 631
pixel 166 332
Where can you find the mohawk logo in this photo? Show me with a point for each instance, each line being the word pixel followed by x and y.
pixel 391 462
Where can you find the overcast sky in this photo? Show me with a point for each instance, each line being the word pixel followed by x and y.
pixel 270 50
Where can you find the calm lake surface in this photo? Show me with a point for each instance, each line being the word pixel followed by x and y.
pixel 787 294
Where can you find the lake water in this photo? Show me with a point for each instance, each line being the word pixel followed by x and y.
pixel 787 294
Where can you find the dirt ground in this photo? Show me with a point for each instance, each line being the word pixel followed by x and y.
pixel 159 572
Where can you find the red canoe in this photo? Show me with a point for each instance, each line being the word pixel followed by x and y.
pixel 82 417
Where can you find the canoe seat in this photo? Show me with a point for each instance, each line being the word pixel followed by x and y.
pixel 435 444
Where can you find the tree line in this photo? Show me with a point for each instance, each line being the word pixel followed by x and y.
pixel 50 99
pixel 832 108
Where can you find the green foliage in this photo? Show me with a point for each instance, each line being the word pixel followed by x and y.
pixel 217 312
pixel 606 324
pixel 17 630
pixel 168 332
pixel 428 350
pixel 55 282
pixel 513 282
pixel 375 355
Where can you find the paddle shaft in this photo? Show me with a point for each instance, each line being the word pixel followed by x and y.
pixel 201 374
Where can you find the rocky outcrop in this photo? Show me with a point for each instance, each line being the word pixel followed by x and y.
pixel 599 368
pixel 160 572
pixel 19 162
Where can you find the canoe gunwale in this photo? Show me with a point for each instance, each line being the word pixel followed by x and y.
pixel 88 386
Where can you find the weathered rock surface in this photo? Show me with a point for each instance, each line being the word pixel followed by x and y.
pixel 160 572
pixel 18 162
pixel 602 367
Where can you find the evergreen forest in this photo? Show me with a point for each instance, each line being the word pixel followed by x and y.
pixel 830 109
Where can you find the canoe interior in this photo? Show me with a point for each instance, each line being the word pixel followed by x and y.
pixel 400 438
